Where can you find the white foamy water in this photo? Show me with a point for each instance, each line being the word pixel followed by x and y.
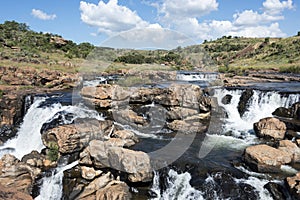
pixel 262 105
pixel 230 142
pixel 197 76
pixel 29 137
pixel 258 184
pixel 179 187
pixel 94 83
pixel 52 187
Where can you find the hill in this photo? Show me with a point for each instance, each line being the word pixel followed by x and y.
pixel 20 46
pixel 238 53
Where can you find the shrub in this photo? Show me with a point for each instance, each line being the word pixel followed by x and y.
pixel 52 151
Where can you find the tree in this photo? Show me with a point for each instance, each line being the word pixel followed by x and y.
pixel 298 33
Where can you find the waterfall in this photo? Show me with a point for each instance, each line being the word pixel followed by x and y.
pixel 197 76
pixel 29 137
pixel 261 105
pixel 52 187
pixel 178 187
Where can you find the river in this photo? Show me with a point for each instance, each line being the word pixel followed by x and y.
pixel 216 173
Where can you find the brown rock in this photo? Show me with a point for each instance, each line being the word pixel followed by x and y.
pixel 103 154
pixel 115 190
pixel 105 187
pixel 177 113
pixel 103 91
pixel 12 194
pixel 74 137
pixel 270 128
pixel 291 148
pixel 34 159
pixel 263 158
pixel 294 185
pixel 89 173
pixel 184 95
pixel 135 163
pixel 16 174
pixel 191 124
pixel 127 136
pixel 128 116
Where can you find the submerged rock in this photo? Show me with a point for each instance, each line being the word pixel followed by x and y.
pixel 277 191
pixel 226 99
pixel 263 158
pixel 244 101
pixel 270 128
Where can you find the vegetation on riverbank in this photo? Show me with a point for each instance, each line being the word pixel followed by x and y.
pixel 22 47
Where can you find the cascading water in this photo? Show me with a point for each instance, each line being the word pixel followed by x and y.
pixel 52 186
pixel 178 187
pixel 237 134
pixel 261 104
pixel 29 136
pixel 197 76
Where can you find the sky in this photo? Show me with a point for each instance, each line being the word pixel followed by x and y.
pixel 155 22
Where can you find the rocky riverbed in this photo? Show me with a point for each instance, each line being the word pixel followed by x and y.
pixel 120 140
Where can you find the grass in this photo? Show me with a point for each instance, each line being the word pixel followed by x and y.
pixel 295 69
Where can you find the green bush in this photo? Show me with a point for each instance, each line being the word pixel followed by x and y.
pixel 53 151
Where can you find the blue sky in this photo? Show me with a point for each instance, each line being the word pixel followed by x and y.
pixel 96 21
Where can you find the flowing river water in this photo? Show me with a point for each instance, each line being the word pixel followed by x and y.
pixel 217 175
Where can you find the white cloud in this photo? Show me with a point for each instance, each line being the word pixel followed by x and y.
pixel 154 37
pixel 275 7
pixel 110 18
pixel 187 8
pixel 272 30
pixel 248 23
pixel 42 15
pixel 183 16
pixel 253 18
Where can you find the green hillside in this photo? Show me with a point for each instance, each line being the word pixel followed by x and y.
pixel 20 46
pixel 255 53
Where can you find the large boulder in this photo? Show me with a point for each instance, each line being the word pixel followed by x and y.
pixel 263 158
pixel 191 124
pixel 13 194
pixel 16 174
pixel 127 136
pixel 102 155
pixel 179 113
pixel 128 117
pixel 103 91
pixel 296 110
pixel 34 159
pixel 270 128
pixel 105 187
pixel 291 148
pixel 74 137
pixel 293 184
pixel 184 95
